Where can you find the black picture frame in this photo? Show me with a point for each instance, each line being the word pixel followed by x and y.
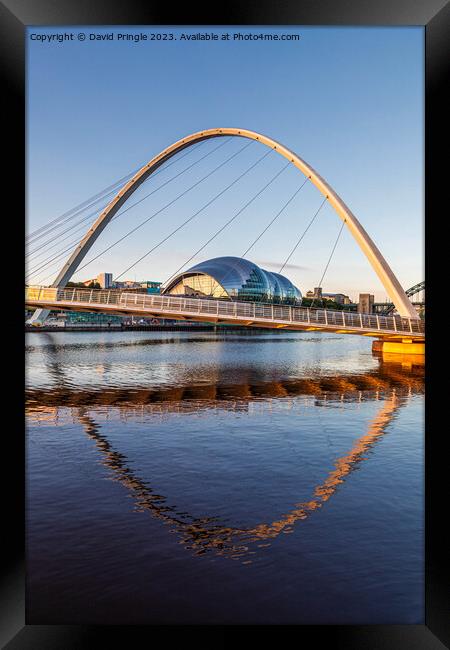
pixel 15 16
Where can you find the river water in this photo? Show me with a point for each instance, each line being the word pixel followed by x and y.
pixel 240 477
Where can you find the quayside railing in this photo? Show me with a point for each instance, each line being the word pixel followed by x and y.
pixel 247 311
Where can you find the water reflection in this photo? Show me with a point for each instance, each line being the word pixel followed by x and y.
pixel 343 467
pixel 395 380
pixel 367 386
pixel 206 534
pixel 220 389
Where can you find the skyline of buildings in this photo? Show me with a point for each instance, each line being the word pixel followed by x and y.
pixel 153 286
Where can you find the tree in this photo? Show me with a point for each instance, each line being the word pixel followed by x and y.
pixel 76 284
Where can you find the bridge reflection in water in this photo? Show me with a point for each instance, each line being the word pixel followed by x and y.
pixel 391 383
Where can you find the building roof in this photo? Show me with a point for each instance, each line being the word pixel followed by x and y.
pixel 243 279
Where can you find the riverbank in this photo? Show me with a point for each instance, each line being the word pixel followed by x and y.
pixel 133 328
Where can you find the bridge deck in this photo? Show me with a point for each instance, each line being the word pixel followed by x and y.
pixel 249 314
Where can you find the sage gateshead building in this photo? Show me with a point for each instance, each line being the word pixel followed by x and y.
pixel 233 278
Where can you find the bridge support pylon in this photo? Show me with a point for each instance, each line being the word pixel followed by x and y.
pixel 399 346
pixel 39 317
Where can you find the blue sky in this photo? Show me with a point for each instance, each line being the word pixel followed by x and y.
pixel 347 100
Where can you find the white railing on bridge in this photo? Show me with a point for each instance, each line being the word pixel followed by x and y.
pixel 250 311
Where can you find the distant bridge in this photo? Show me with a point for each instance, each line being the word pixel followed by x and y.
pixel 387 308
pixel 249 314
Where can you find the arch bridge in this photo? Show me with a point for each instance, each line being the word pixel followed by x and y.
pixel 387 277
pixel 408 331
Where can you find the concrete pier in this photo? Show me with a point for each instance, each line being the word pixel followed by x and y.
pixel 403 346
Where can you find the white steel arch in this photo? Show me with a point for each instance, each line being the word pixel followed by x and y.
pixel 368 247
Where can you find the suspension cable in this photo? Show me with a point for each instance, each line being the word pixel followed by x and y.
pixel 152 216
pixel 42 280
pixel 222 228
pixel 43 246
pixel 62 223
pixel 329 259
pixel 49 260
pixel 275 217
pixel 270 223
pixel 197 213
pixel 149 194
pixel 49 248
pixel 165 206
pixel 79 208
pixel 121 212
pixel 111 189
pixel 302 235
pixel 265 229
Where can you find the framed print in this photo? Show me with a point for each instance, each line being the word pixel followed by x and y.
pixel 225 225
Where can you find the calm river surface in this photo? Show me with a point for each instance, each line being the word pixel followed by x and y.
pixel 178 477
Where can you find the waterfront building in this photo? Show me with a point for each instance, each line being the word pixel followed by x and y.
pixel 89 318
pixel 105 280
pixel 127 284
pixel 151 286
pixel 137 289
pixel 365 303
pixel 234 278
pixel 317 293
pixel 338 298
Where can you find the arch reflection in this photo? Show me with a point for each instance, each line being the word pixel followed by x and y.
pixel 393 380
pixel 214 394
pixel 206 534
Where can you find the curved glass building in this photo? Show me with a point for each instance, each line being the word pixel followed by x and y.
pixel 234 278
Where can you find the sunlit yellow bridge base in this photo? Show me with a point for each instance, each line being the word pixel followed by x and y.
pixel 405 346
